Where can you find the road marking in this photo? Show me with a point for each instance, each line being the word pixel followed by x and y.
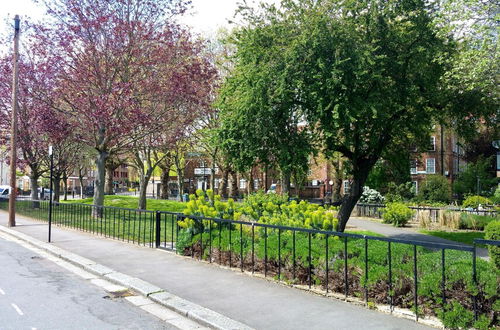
pixel 33 328
pixel 18 310
pixel 1 291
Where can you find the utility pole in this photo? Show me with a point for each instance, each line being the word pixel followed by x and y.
pixel 51 154
pixel 13 132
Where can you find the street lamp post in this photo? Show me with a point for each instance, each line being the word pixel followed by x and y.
pixel 51 154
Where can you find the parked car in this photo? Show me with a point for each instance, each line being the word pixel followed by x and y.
pixel 272 189
pixel 88 191
pixel 4 191
pixel 44 193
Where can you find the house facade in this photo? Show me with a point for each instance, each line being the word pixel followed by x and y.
pixel 443 156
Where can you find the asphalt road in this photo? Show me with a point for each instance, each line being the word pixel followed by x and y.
pixel 37 294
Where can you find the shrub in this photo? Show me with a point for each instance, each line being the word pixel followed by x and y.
pixel 474 221
pixel 492 231
pixel 435 188
pixel 475 201
pixel 371 196
pixel 456 316
pixel 399 193
pixel 496 196
pixel 397 213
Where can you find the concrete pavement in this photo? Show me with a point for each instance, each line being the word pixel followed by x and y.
pixel 407 233
pixel 251 301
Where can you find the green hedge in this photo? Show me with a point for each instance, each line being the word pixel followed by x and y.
pixel 492 231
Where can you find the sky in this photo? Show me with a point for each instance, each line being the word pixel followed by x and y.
pixel 205 18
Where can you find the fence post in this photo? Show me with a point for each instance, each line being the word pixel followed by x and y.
pixel 474 279
pixel 158 229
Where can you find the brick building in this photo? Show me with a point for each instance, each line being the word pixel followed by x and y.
pixel 443 156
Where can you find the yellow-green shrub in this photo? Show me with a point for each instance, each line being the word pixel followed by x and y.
pixel 397 213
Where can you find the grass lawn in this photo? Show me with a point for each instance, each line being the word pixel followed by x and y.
pixel 130 202
pixel 466 237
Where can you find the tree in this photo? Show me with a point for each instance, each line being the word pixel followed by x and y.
pixel 476 178
pixel 363 74
pixel 261 123
pixel 436 188
pixel 118 57
pixel 37 90
pixel 471 83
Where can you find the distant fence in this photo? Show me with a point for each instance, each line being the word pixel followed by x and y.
pixel 376 210
pixel 395 272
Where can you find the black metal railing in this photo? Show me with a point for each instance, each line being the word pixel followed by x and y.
pixel 385 270
pixel 376 211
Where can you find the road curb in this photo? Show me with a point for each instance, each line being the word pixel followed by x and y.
pixel 197 313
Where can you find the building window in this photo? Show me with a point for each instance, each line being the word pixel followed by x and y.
pixel 415 187
pixel 430 167
pixel 347 187
pixel 243 184
pixel 432 147
pixel 413 166
pixel 256 184
pixel 216 183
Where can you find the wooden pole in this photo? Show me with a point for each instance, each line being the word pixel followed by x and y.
pixel 13 132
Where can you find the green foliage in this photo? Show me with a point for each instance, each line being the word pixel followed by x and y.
pixel 397 213
pixel 435 188
pixel 260 207
pixel 258 201
pixel 492 232
pixel 466 237
pixel 467 181
pixel 496 196
pixel 475 201
pixel 475 221
pixel 456 316
pixel 400 193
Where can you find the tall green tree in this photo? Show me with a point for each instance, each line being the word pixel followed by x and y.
pixel 361 74
pixel 261 122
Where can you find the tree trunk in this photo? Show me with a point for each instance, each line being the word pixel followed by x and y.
pixel 65 185
pixel 355 192
pixel 34 189
pixel 80 178
pixel 109 181
pixel 143 186
pixel 57 187
pixel 285 183
pixel 250 182
pixel 180 183
pixel 337 184
pixel 212 176
pixel 233 191
pixel 98 199
pixel 337 178
pixel 165 174
pixel 223 184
